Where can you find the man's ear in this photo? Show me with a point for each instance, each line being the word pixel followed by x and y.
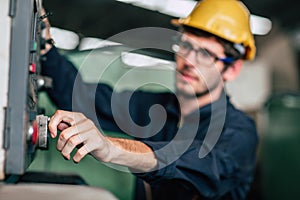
pixel 232 71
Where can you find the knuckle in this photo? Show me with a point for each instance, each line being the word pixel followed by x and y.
pixel 72 142
pixel 81 152
pixel 72 129
pixel 105 158
pixel 63 137
pixel 58 112
pixel 90 122
pixel 92 131
pixel 81 115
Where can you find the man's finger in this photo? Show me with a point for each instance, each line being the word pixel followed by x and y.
pixel 74 141
pixel 62 126
pixel 57 118
pixel 66 134
pixel 81 152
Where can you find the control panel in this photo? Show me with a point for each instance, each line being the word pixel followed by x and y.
pixel 23 126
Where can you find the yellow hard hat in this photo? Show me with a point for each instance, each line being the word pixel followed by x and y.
pixel 227 19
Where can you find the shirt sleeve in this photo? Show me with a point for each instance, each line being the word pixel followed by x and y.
pixel 63 75
pixel 227 168
pixel 126 111
pixel 70 92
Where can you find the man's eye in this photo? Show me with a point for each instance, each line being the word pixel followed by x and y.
pixel 204 53
pixel 185 45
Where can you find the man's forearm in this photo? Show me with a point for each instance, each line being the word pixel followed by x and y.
pixel 133 154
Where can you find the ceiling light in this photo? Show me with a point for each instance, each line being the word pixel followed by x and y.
pixel 260 25
pixel 94 43
pixel 139 60
pixel 64 39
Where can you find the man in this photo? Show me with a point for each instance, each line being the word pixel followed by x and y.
pixel 204 148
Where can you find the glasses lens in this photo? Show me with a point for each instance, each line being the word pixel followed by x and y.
pixel 184 48
pixel 204 57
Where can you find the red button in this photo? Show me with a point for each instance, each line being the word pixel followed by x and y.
pixel 32 68
pixel 35 134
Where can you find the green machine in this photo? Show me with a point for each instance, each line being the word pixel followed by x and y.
pixel 280 148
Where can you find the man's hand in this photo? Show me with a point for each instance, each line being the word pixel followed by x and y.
pixel 77 130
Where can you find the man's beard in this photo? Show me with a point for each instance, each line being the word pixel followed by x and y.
pixel 198 94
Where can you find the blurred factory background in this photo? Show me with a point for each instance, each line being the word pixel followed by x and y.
pixel 268 89
pixel 278 49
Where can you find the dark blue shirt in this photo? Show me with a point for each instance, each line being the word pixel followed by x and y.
pixel 209 154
